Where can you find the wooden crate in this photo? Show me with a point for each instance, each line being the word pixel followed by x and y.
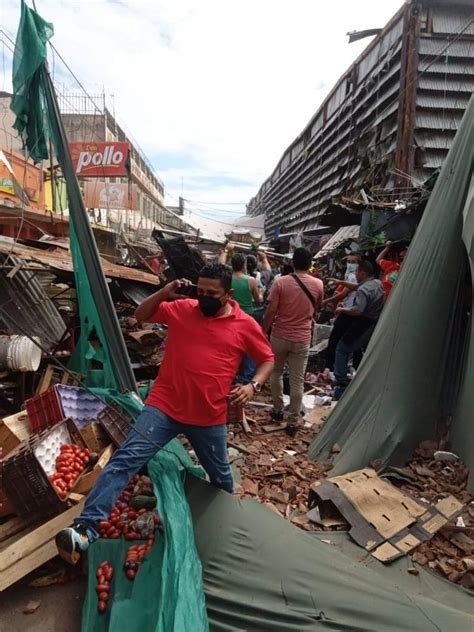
pixel 87 481
pixel 25 549
pixel 13 430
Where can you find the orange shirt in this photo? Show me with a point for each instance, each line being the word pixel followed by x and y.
pixel 391 270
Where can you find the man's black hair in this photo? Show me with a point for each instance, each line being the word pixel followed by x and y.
pixel 287 268
pixel 238 263
pixel 218 271
pixel 252 263
pixel 367 267
pixel 302 259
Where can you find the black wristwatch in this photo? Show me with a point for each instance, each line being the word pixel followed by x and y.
pixel 256 386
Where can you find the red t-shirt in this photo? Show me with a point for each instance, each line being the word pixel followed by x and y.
pixel 294 316
pixel 391 270
pixel 202 357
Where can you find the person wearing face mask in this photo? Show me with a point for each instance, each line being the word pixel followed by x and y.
pixel 207 340
pixel 345 297
pixel 362 318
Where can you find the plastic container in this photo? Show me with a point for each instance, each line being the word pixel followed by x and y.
pixel 61 401
pixel 26 470
pixel 116 423
pixel 19 353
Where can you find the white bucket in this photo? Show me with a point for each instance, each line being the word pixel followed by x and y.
pixel 19 353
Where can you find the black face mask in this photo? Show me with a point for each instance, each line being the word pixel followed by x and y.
pixel 209 305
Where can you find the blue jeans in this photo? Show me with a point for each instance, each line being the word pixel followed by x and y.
pixel 209 444
pixel 247 369
pixel 357 337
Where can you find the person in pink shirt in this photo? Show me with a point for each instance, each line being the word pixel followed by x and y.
pixel 294 302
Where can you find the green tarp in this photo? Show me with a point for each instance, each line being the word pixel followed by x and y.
pixel 261 573
pixel 422 351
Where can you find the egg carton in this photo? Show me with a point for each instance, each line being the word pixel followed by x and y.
pixel 48 449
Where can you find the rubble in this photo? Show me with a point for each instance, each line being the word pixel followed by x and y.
pixel 275 469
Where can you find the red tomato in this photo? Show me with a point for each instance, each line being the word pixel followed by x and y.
pixel 102 606
pixel 131 573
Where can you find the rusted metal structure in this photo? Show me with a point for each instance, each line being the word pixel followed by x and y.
pixel 386 126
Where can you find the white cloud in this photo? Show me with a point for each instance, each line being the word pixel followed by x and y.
pixel 213 87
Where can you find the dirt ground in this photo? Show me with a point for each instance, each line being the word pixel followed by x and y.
pixel 59 611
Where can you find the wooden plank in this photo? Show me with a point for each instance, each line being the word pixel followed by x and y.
pixel 87 481
pixel 13 526
pixel 46 378
pixel 18 552
pixel 28 564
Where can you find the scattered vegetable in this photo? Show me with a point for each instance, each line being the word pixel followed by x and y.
pixel 104 575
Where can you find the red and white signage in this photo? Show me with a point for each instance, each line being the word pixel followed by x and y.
pixel 95 160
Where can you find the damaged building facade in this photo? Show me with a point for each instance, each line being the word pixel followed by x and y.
pixel 384 129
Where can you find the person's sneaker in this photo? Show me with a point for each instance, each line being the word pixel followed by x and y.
pixel 71 542
pixel 291 430
pixel 277 415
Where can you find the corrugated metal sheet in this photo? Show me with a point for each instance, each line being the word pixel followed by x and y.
pixel 434 46
pixel 447 84
pixel 429 139
pixel 442 101
pixel 25 307
pixel 345 233
pixel 449 21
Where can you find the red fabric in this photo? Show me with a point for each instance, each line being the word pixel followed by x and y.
pixel 201 359
pixel 390 271
pixel 294 316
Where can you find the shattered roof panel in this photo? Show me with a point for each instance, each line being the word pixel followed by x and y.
pixel 345 233
pixel 60 259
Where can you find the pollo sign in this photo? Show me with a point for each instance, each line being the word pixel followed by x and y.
pixel 95 160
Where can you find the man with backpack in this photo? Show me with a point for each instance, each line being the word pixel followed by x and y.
pixel 294 301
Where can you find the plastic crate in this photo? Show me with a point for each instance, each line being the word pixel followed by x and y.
pixel 61 401
pixel 26 471
pixel 44 410
pixel 116 423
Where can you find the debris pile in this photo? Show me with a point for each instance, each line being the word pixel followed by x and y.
pixel 273 466
pixel 433 474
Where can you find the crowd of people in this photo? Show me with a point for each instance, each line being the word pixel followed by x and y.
pixel 287 300
pixel 248 323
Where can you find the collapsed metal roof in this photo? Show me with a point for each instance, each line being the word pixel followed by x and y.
pixel 387 124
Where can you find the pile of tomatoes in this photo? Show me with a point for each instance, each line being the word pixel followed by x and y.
pixel 70 464
pixel 123 519
pixel 135 554
pixel 104 575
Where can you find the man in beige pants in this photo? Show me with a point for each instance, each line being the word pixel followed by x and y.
pixel 293 302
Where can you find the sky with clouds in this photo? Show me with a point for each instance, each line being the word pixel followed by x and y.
pixel 213 90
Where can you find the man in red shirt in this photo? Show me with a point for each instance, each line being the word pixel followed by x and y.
pixel 207 340
pixel 390 267
pixel 294 300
